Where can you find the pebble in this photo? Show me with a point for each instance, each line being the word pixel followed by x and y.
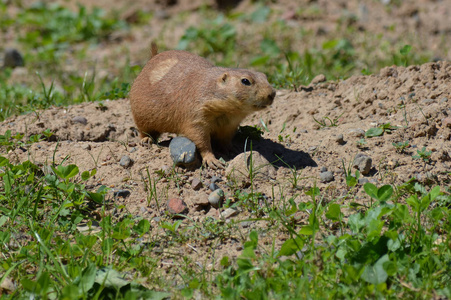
pixel 80 119
pixel 7 286
pixel 177 206
pixel 126 161
pixel 86 147
pixel 363 180
pixel 229 212
pixel 326 176
pixel 339 139
pixel 357 132
pixel 428 101
pixel 196 184
pixel 200 201
pixel 246 224
pixel 213 186
pixel 447 122
pixel 312 148
pixel 216 198
pixel 134 149
pixel 183 151
pixel 323 169
pixel 122 193
pixel 363 163
pixel 214 179
pixel 12 59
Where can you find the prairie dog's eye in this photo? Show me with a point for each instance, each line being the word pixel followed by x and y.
pixel 245 81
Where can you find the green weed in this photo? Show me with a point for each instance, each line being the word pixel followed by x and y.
pixel 423 155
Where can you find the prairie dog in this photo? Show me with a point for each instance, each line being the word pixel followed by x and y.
pixel 182 93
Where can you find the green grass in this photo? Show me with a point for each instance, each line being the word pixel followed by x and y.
pixel 50 35
pixel 398 245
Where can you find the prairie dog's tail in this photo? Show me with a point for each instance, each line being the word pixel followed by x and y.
pixel 153 49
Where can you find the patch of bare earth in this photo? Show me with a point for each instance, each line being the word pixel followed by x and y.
pixel 416 99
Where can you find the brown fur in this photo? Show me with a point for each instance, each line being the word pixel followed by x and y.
pixel 183 93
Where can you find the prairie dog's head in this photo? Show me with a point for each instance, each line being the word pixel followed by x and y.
pixel 250 88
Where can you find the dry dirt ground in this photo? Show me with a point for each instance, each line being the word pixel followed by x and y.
pixel 416 100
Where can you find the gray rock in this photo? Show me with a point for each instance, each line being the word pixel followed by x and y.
pixel 122 193
pixel 326 176
pixel 213 186
pixel 80 119
pixel 134 149
pixel 183 151
pixel 12 59
pixel 216 198
pixel 363 163
pixel 323 169
pixel 126 161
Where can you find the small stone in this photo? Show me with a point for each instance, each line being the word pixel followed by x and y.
pixel 239 168
pixel 318 79
pixel 183 151
pixel 177 206
pixel 323 169
pixel 229 212
pixel 213 186
pixel 7 286
pixel 80 119
pixel 339 139
pixel 357 132
pixel 134 149
pixel 126 161
pixel 327 176
pixel 363 163
pixel 216 198
pixel 428 101
pixel 167 170
pixel 363 180
pixel 246 224
pixel 122 193
pixel 214 179
pixel 446 122
pixel 382 94
pixel 312 148
pixel 196 184
pixel 12 59
pixel 200 201
pixel 86 147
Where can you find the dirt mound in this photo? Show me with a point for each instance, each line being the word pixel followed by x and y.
pixel 414 101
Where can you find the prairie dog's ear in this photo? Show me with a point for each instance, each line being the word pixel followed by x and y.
pixel 224 77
